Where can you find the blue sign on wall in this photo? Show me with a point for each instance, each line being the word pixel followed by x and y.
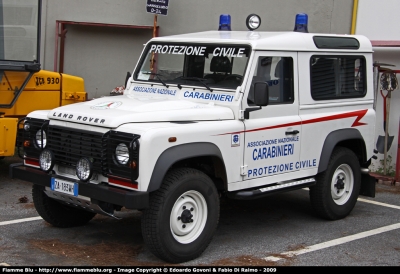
pixel 157 6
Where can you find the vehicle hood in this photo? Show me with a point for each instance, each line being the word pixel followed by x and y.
pixel 114 111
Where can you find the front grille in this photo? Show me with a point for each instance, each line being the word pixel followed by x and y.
pixel 70 145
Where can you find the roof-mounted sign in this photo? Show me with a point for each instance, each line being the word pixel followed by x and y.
pixel 157 7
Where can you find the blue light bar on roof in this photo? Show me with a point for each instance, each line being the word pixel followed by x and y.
pixel 224 22
pixel 301 24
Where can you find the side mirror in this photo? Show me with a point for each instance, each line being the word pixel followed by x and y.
pixel 261 98
pixel 261 94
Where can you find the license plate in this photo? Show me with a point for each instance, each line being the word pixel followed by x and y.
pixel 64 187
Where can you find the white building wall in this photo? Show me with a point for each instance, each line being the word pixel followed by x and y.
pixel 378 20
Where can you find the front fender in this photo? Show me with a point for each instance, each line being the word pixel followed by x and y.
pixel 178 153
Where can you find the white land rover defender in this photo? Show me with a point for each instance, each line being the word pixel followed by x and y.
pixel 236 114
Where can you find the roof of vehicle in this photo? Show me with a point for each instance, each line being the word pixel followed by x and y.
pixel 282 41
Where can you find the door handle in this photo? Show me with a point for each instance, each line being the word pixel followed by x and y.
pixel 293 132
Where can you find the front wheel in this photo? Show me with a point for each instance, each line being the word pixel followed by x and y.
pixel 182 217
pixel 336 192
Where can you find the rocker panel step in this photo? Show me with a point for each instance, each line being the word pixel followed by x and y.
pixel 272 189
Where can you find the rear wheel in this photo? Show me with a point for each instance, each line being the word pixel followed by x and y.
pixel 336 192
pixel 56 213
pixel 182 217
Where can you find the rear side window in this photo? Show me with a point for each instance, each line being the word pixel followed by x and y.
pixel 337 77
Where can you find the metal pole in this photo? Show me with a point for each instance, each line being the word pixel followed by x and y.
pixel 397 178
pixel 376 84
pixel 57 36
pixel 154 35
pixel 386 132
pixel 155 26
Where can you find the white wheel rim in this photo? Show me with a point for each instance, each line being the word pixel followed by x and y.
pixel 187 229
pixel 342 184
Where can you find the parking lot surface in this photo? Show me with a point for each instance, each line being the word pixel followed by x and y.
pixel 279 230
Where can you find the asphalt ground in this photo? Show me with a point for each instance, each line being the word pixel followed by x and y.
pixel 279 230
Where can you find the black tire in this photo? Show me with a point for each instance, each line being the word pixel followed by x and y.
pixel 183 189
pixel 56 213
pixel 336 191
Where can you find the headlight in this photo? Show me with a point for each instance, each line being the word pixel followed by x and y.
pixel 84 169
pixel 27 126
pixel 122 154
pixel 46 160
pixel 41 138
pixel 253 21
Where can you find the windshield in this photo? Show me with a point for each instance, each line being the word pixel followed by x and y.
pixel 198 65
pixel 19 30
pixel 19 47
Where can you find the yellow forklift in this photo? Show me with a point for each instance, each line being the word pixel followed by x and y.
pixel 24 86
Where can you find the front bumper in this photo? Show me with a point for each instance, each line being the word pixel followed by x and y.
pixel 104 193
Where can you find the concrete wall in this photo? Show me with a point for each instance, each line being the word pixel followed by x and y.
pixel 102 56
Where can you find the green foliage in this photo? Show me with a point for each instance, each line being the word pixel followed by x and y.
pixel 390 170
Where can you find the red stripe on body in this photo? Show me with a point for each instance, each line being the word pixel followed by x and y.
pixel 359 114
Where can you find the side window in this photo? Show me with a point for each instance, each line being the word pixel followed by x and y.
pixel 337 77
pixel 278 73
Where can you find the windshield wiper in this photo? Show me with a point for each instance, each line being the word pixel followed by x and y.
pixel 198 79
pixel 156 75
